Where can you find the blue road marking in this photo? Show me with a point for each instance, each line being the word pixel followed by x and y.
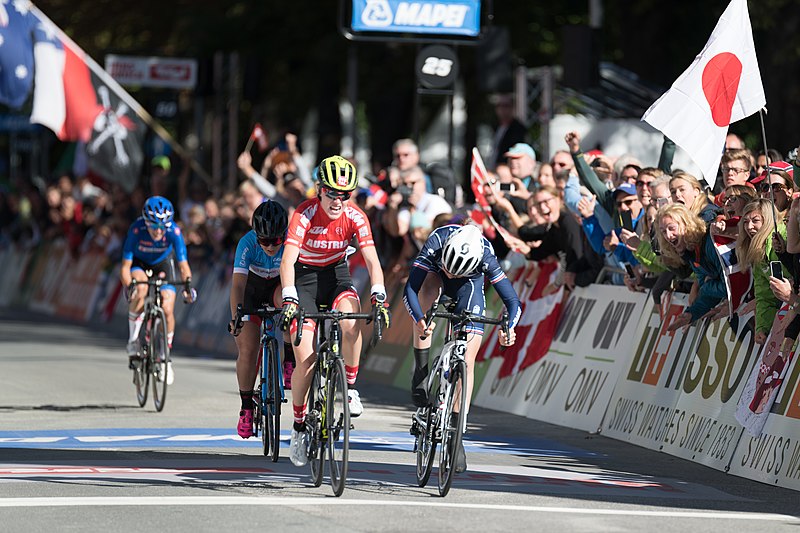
pixel 225 438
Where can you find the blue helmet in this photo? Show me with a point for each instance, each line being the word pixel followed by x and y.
pixel 158 210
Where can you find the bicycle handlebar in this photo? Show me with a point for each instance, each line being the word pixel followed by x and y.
pixel 266 311
pixel 333 314
pixel 464 316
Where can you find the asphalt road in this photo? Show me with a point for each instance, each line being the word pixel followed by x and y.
pixel 77 453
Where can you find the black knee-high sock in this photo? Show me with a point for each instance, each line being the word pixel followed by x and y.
pixel 288 353
pixel 420 362
pixel 247 399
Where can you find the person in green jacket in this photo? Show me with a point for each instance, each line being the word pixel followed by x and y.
pixel 754 250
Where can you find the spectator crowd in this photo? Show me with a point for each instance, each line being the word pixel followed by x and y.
pixel 603 219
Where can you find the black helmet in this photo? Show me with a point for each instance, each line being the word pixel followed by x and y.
pixel 270 220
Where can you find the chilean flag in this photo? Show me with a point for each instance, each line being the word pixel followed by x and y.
pixel 721 86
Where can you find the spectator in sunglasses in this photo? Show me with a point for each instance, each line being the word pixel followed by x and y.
pixel 777 184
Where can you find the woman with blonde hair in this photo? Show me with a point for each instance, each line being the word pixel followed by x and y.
pixel 685 241
pixel 755 251
pixel 687 190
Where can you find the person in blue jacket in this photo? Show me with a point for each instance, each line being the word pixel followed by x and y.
pixel 685 240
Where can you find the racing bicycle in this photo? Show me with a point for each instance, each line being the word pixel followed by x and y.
pixel 270 392
pixel 153 357
pixel 439 422
pixel 328 419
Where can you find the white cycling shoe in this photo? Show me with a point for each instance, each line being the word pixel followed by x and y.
pixel 354 400
pixel 298 448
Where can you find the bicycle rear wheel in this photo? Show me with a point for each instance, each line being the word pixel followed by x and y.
pixel 316 442
pixel 425 446
pixel 271 437
pixel 159 354
pixel 451 435
pixel 337 419
pixel 141 371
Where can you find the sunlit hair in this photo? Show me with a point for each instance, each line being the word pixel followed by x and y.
pixel 741 190
pixel 740 154
pixel 701 200
pixel 552 191
pixel 694 232
pixel 751 251
pixel 651 171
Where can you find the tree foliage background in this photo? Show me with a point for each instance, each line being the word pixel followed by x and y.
pixel 295 59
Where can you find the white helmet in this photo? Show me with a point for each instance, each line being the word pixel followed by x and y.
pixel 462 251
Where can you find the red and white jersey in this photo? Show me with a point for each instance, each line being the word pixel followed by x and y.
pixel 323 241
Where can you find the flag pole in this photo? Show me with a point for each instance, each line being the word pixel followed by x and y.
pixel 761 113
pixel 123 94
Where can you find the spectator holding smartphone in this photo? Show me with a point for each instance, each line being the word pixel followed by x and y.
pixel 754 250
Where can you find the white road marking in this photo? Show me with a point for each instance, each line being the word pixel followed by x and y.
pixel 152 501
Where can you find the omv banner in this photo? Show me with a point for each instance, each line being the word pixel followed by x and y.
pixel 443 17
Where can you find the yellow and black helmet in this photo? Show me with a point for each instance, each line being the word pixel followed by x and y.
pixel 337 173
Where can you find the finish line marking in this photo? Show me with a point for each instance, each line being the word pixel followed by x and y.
pixel 160 501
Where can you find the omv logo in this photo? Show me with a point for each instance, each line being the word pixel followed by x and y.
pixel 377 14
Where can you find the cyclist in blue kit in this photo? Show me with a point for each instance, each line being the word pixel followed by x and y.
pixel 460 257
pixel 154 243
pixel 256 281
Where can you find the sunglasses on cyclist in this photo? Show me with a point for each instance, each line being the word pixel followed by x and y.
pixel 333 195
pixel 277 241
pixel 155 227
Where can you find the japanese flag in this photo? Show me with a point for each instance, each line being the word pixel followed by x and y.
pixel 721 86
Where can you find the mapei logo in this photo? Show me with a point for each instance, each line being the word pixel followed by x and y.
pixel 378 14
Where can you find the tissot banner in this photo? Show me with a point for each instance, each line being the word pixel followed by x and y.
pixel 443 17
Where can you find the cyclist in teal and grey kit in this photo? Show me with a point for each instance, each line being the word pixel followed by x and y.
pixel 256 281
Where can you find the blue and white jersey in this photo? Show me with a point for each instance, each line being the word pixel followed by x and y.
pixel 250 257
pixel 430 260
pixel 142 246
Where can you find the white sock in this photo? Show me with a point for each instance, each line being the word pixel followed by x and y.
pixel 170 336
pixel 134 325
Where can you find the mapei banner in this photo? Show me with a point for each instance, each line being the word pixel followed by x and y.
pixel 680 390
pixel 441 17
pixel 573 383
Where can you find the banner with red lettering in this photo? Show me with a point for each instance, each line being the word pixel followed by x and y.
pixel 680 389
pixel 574 380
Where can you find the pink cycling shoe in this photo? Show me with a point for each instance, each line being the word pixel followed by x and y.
pixel 288 369
pixel 245 426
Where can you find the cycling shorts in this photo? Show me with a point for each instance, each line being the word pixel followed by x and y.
pixel 258 291
pixel 468 294
pixel 326 286
pixel 165 269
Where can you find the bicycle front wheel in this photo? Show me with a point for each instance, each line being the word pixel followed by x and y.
pixel 425 446
pixel 141 370
pixel 452 425
pixel 159 355
pixel 271 437
pixel 316 439
pixel 338 423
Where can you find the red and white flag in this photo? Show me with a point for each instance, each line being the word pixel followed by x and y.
pixel 479 178
pixel 721 86
pixel 260 137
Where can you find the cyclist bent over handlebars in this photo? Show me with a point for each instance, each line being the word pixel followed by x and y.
pixel 314 271
pixel 460 257
pixel 151 241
